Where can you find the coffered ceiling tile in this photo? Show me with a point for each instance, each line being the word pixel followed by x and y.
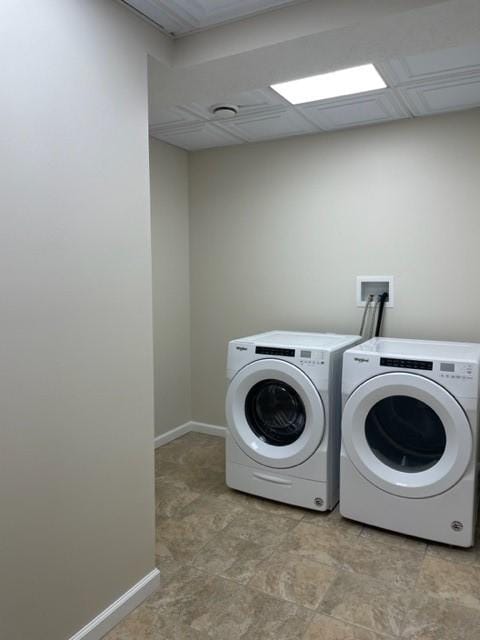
pixel 428 66
pixel 183 16
pixel 445 95
pixel 168 15
pixel 175 116
pixel 352 111
pixel 214 11
pixel 276 123
pixel 198 135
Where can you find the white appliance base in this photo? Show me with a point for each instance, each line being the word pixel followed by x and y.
pixel 269 483
pixel 428 518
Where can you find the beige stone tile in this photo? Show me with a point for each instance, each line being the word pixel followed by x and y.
pixel 334 520
pixel 167 566
pixel 181 538
pixel 455 582
pixel 190 450
pixel 237 498
pixel 231 557
pixel 210 511
pixel 470 556
pixel 236 612
pixel 294 579
pixel 258 527
pixel 276 508
pixel 166 468
pixel 180 632
pixel 199 479
pixel 171 496
pixel 322 544
pixel 171 451
pixel 175 630
pixel 209 453
pixel 221 609
pixel 194 437
pixel 393 539
pixel 263 505
pixel 430 619
pixel 276 620
pixel 394 565
pixel 326 628
pixel 139 625
pixel 202 605
pixel 182 590
pixel 361 600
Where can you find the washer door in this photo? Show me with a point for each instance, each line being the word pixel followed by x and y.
pixel 407 435
pixel 275 413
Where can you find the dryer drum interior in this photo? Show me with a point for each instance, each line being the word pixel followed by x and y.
pixel 405 433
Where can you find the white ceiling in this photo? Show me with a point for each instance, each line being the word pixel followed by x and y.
pixel 419 85
pixel 179 17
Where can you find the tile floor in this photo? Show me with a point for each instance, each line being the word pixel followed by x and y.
pixel 238 567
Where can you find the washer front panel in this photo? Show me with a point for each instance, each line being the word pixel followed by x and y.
pixel 289 455
pixel 431 481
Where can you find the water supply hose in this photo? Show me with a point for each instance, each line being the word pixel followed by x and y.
pixel 371 320
pixel 365 313
pixel 383 299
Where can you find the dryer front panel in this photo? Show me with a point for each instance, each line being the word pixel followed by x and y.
pixel 407 435
pixel 275 413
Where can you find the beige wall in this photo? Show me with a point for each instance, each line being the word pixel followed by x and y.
pixel 76 369
pixel 171 284
pixel 280 230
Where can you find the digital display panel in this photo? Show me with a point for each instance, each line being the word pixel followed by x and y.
pixel 275 351
pixel 401 363
pixel 305 354
pixel 447 366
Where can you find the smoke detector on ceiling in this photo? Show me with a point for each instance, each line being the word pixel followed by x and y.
pixel 224 110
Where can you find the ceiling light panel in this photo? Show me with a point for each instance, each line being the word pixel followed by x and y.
pixel 331 85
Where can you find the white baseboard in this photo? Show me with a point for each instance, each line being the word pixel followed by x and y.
pixel 173 434
pixel 209 429
pixel 112 615
pixel 131 599
pixel 199 427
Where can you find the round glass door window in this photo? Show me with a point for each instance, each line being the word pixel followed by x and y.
pixel 405 434
pixel 275 412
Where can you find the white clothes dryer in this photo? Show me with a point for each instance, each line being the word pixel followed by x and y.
pixel 410 446
pixel 283 413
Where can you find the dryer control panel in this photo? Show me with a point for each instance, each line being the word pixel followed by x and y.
pixel 302 356
pixel 456 370
pixel 406 364
pixel 449 370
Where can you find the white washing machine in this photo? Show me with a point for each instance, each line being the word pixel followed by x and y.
pixel 283 412
pixel 410 437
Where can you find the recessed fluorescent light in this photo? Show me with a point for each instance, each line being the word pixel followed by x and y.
pixel 331 85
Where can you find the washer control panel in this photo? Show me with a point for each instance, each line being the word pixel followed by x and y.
pixel 275 351
pixel 301 356
pixel 308 357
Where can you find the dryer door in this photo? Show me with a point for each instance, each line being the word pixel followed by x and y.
pixel 275 413
pixel 407 435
